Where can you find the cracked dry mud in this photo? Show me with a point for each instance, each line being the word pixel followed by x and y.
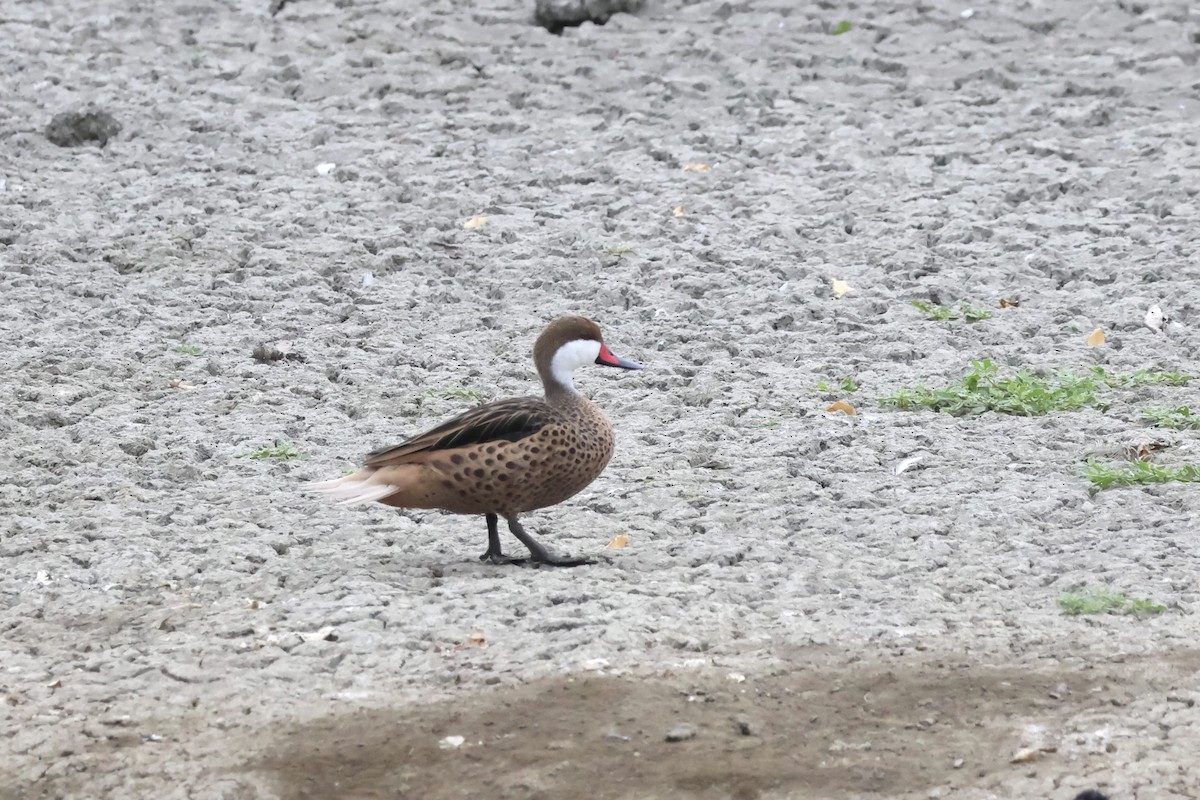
pixel 178 620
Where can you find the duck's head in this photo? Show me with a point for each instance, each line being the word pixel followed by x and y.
pixel 569 343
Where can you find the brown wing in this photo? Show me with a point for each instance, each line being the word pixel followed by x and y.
pixel 505 420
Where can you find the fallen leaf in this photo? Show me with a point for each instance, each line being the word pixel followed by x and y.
pixel 1096 339
pixel 841 288
pixel 474 640
pixel 619 541
pixel 1155 318
pixel 677 211
pixel 1142 451
pixel 56 685
pixel 1025 755
pixel 906 464
pixel 697 168
pixel 842 406
pixel 475 222
pixel 1009 303
pixel 326 634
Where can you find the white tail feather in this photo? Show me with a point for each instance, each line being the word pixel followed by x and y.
pixel 369 493
pixel 351 491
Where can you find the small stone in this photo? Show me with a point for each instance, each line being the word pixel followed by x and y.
pixel 451 742
pixel 137 447
pixel 746 728
pixel 89 124
pixel 554 15
pixel 682 732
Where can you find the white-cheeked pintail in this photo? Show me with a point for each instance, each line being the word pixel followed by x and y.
pixel 504 458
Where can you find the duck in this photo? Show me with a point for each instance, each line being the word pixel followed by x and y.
pixel 505 458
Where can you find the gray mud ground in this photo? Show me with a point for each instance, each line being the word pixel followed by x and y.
pixel 180 620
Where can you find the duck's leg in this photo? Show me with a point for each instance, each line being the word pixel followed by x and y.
pixel 539 553
pixel 494 554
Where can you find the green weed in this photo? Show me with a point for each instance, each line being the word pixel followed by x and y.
pixel 285 451
pixel 1140 377
pixel 188 350
pixel 842 385
pixel 1181 419
pixel 1102 601
pixel 474 395
pixel 936 313
pixel 982 389
pixel 619 250
pixel 843 26
pixel 1137 473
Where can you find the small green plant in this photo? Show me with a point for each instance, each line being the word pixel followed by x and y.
pixel 975 314
pixel 1181 419
pixel 1102 601
pixel 842 385
pixel 1135 473
pixel 619 250
pixel 284 451
pixel 474 395
pixel 933 312
pixel 982 389
pixel 188 350
pixel 936 313
pixel 842 26
pixel 1140 377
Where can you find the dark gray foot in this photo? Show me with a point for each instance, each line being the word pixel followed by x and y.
pixel 494 554
pixel 540 554
pixel 501 558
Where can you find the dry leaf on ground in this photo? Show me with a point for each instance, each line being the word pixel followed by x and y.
pixel 475 222
pixel 841 288
pixel 843 407
pixel 619 541
pixel 1096 339
pixel 476 639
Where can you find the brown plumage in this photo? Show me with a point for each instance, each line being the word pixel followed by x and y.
pixel 503 458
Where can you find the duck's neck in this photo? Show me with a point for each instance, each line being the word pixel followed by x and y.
pixel 558 371
pixel 558 392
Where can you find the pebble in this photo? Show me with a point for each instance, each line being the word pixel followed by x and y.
pixel 682 732
pixel 89 124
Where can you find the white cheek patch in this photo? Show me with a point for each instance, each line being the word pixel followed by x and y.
pixel 570 357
